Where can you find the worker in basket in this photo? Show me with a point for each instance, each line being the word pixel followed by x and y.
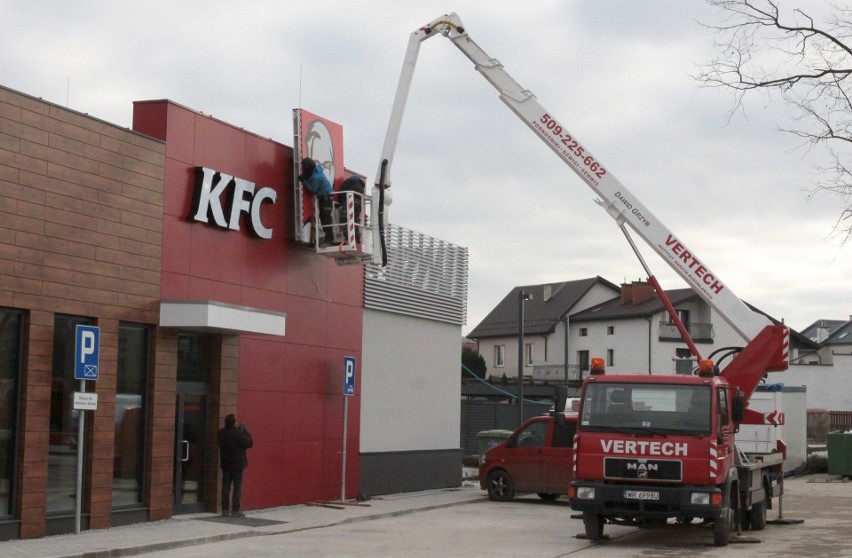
pixel 354 184
pixel 313 178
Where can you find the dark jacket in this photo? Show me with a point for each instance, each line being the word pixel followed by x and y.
pixel 233 443
pixel 353 184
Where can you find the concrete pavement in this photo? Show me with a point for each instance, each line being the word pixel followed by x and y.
pixel 187 530
pixel 823 502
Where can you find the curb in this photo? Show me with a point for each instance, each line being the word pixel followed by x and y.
pixel 183 543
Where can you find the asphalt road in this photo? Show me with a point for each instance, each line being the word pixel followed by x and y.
pixel 531 528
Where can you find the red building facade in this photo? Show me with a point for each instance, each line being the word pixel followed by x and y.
pixel 101 226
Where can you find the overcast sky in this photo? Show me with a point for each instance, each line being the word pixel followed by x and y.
pixel 616 73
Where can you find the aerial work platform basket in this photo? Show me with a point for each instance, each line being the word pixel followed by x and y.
pixel 347 239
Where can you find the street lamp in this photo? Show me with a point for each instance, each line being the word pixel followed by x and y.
pixel 523 296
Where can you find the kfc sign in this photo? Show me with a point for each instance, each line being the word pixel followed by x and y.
pixel 239 197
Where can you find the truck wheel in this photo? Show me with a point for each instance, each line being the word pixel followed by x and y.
pixel 594 524
pixel 500 486
pixel 547 496
pixel 757 516
pixel 722 527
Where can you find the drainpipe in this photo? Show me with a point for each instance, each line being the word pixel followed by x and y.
pixel 522 297
pixel 566 349
pixel 650 337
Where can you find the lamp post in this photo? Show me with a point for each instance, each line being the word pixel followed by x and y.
pixel 523 296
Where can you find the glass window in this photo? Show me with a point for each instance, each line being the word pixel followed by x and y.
pixel 131 381
pixel 584 332
pixel 62 464
pixel 563 436
pixel 194 357
pixel 610 357
pixel 10 363
pixel 500 355
pixel 723 405
pixel 529 351
pixel 647 407
pixel 610 330
pixel 583 361
pixel 533 435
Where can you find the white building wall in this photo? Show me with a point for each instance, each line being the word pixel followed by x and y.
pixel 828 387
pixel 410 387
pixel 664 352
pixel 634 339
pixel 629 343
pixel 550 350
pixel 556 343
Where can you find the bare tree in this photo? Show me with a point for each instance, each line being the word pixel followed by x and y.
pixel 808 65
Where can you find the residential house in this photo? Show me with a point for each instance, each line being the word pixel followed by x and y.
pixel 546 310
pixel 822 332
pixel 628 326
pixel 635 334
pixel 825 368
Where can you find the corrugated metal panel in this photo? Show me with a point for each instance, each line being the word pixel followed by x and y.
pixel 425 277
pixel 477 416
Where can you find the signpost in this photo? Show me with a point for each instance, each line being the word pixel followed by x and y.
pixel 348 391
pixel 87 348
pixel 348 375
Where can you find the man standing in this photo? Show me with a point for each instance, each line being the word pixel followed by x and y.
pixel 233 443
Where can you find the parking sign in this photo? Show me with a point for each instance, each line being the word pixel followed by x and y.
pixel 87 346
pixel 348 375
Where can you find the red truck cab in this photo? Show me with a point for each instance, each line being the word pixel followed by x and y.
pixel 650 448
pixel 537 458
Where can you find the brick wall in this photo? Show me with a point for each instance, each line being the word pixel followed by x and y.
pixel 80 233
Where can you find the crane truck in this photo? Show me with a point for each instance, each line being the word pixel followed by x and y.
pixel 648 447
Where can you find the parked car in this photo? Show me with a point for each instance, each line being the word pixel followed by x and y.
pixel 537 458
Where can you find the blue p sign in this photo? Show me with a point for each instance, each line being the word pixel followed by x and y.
pixel 348 375
pixel 86 352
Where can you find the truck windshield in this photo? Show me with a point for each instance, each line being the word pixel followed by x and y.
pixel 649 408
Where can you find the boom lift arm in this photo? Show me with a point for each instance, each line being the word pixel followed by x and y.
pixel 615 198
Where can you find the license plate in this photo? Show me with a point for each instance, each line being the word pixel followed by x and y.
pixel 641 495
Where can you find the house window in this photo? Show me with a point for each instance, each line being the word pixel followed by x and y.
pixel 610 357
pixel 610 330
pixel 683 316
pixel 500 355
pixel 529 354
pixel 584 332
pixel 583 361
pixel 10 366
pixel 131 381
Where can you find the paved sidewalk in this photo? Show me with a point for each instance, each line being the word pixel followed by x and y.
pixel 187 530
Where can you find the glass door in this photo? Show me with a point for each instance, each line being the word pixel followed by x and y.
pixel 191 459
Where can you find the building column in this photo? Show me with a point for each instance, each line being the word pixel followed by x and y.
pixel 162 394
pixel 100 448
pixel 34 425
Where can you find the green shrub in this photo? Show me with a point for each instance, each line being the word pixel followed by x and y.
pixel 816 463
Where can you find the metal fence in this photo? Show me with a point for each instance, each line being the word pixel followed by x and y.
pixel 840 420
pixel 477 416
